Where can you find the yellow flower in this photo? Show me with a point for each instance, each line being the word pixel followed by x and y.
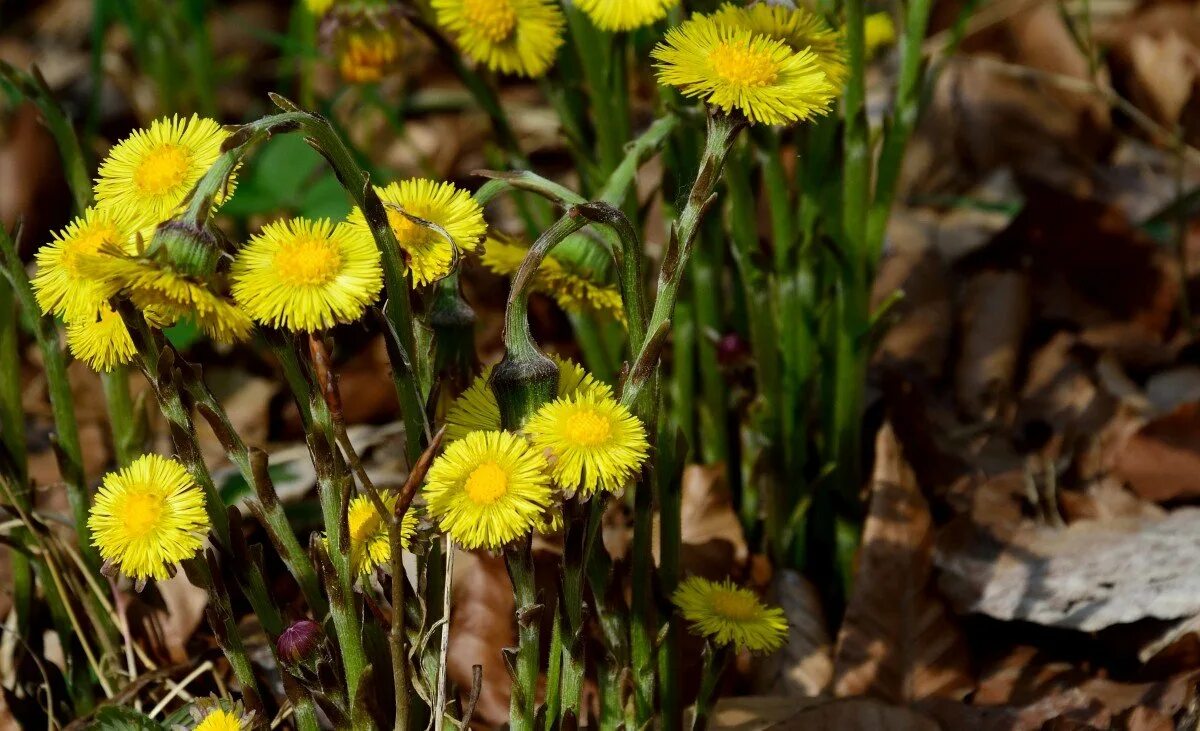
pixel 799 28
pixel 428 254
pixel 60 286
pixel 617 15
pixel 168 295
pixel 213 714
pixel 220 720
pixel 103 343
pixel 370 544
pixel 147 176
pixel 596 443
pixel 880 31
pixel 511 36
pixel 306 275
pixel 365 52
pixel 487 489
pixel 734 68
pixel 477 410
pixel 730 615
pixel 573 290
pixel 318 7
pixel 147 517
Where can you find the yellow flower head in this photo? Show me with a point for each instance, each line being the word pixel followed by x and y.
pixel 477 410
pixel 370 542
pixel 146 177
pixel 730 615
pixel 156 287
pixel 306 275
pixel 103 342
pixel 596 443
pixel 318 7
pixel 213 714
pixel 366 52
pixel 730 67
pixel 573 290
pixel 510 36
pixel 487 489
pixel 617 15
pixel 428 254
pixel 61 287
pixel 147 517
pixel 799 28
pixel 879 32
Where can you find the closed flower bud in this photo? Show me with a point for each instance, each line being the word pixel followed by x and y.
pixel 299 642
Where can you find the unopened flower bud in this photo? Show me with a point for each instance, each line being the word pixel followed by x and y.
pixel 299 642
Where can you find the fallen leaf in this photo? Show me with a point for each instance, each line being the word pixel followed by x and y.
pixel 481 624
pixel 994 316
pixel 804 666
pixel 857 714
pixel 1161 462
pixel 713 541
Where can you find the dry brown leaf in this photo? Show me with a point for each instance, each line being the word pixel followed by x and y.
pixel 897 640
pixel 713 541
pixel 1161 462
pixel 480 626
pixel 857 714
pixel 921 332
pixel 804 667
pixel 184 610
pixel 994 317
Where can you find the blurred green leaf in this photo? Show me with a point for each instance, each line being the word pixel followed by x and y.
pixel 183 334
pixel 235 487
pixel 287 175
pixel 119 718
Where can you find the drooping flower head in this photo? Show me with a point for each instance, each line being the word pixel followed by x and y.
pixel 487 489
pixel 370 542
pixel 511 36
pixel 148 517
pixel 103 343
pixel 618 15
pixel 596 442
pixel 730 67
pixel 476 409
pixel 798 27
pixel 306 275
pixel 61 286
pixel 146 177
pixel 730 615
pixel 428 254
pixel 573 289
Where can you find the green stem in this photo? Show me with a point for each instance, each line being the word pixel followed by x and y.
pixel 12 437
pixel 578 548
pixel 126 441
pixel 524 668
pixel 642 616
pixel 716 659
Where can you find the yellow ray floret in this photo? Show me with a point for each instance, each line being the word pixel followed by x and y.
pixel 148 517
pixel 477 410
pixel 61 287
pixel 370 541
pixel 799 28
pixel 595 442
pixel 146 177
pixel 730 615
pixel 511 36
pixel 618 15
pixel 306 275
pixel 103 343
pixel 730 67
pixel 573 290
pixel 214 714
pixel 427 252
pixel 488 489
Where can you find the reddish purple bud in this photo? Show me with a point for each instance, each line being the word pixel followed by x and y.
pixel 299 641
pixel 731 349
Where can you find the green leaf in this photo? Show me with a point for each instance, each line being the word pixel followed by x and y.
pixel 183 334
pixel 120 718
pixel 325 198
pixel 235 487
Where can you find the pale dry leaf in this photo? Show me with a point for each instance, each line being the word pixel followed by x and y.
pixel 897 640
pixel 184 610
pixel 1164 68
pixel 804 666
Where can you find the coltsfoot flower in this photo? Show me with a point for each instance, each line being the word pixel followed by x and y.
pixel 879 32
pixel 146 177
pixel 214 714
pixel 427 252
pixel 61 286
pixel 733 68
pixel 306 275
pixel 488 489
pixel 511 36
pixel 366 52
pixel 103 342
pixel 800 28
pixel 730 615
pixel 148 517
pixel 572 289
pixel 618 15
pixel 597 444
pixel 370 542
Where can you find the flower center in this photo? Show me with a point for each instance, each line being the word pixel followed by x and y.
pixel 487 484
pixel 88 242
pixel 734 605
pixel 495 19
pixel 162 169
pixel 588 428
pixel 308 260
pixel 141 513
pixel 742 65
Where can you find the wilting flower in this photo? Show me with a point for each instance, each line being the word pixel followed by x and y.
pixel 370 542
pixel 61 286
pixel 730 615
pixel 487 489
pixel 596 442
pixel 730 67
pixel 148 517
pixel 103 342
pixel 879 31
pixel 616 15
pixel 511 36
pixel 306 275
pixel 428 254
pixel 573 289
pixel 476 409
pixel 146 177
pixel 798 27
